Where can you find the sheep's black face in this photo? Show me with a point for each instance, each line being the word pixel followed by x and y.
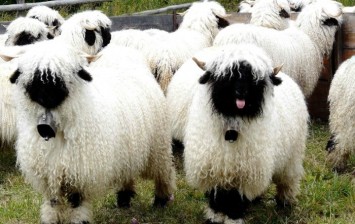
pixel 331 22
pixel 25 38
pixel 47 89
pixel 284 14
pixel 90 36
pixel 237 95
pixel 222 23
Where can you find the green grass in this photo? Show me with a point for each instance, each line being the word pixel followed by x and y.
pixel 326 197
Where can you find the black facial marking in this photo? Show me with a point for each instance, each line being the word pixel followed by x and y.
pixel 106 36
pixel 284 14
pixel 50 36
pixel 75 199
pixel 85 75
pixel 47 91
pixel 15 76
pixel 298 9
pixel 331 144
pixel 222 23
pixel 55 23
pixel 124 198
pixel 275 80
pixel 237 84
pixel 228 202
pixel 25 38
pixel 90 37
pixel 231 135
pixel 331 22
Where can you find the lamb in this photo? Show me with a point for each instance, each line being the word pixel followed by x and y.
pixel 48 16
pixel 88 31
pixel 341 122
pixel 80 132
pixel 246 129
pixel 24 31
pixel 303 45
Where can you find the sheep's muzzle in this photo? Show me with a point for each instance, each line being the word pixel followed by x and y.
pixel 46 126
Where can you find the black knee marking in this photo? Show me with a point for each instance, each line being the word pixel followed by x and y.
pixel 178 147
pixel 228 202
pixel 75 199
pixel 53 202
pixel 160 202
pixel 124 198
pixel 331 144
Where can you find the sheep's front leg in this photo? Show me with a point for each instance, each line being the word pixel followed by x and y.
pixel 225 206
pixel 79 210
pixel 50 211
pixel 125 195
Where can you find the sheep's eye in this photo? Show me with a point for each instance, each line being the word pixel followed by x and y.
pixel 55 22
pixel 331 22
pixel 284 14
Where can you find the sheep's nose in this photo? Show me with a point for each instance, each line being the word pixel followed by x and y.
pixel 46 126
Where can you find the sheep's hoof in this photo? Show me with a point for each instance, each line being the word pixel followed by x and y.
pixel 283 203
pixel 161 202
pixel 124 198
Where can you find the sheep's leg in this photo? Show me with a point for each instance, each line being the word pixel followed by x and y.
pixel 161 169
pixel 125 195
pixel 288 182
pixel 80 211
pixel 338 159
pixel 50 211
pixel 226 206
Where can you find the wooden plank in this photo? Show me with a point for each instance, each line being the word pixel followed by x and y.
pixel 348 53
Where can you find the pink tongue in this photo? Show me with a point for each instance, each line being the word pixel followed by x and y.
pixel 240 104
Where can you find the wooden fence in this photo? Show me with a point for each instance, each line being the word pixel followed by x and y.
pixel 344 48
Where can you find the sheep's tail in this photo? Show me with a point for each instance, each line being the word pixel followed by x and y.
pixel 163 77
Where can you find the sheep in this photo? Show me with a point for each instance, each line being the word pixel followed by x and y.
pixel 271 14
pixel 246 128
pixel 341 114
pixel 303 45
pixel 24 31
pixel 88 31
pixel 48 16
pixel 80 132
pixel 200 24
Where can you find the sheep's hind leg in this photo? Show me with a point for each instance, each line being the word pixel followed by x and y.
pixel 226 206
pixel 80 211
pixel 125 195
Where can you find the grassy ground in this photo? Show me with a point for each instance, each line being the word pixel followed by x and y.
pixel 326 197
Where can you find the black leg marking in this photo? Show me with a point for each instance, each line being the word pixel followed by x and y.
pixel 331 144
pixel 53 202
pixel 228 202
pixel 160 202
pixel 124 198
pixel 75 199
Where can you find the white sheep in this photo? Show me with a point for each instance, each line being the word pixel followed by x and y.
pixel 246 129
pixel 24 31
pixel 88 31
pixel 271 14
pixel 48 16
pixel 342 112
pixel 300 48
pixel 82 130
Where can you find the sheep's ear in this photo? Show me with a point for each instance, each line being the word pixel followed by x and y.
pixel 88 25
pixel 14 76
pixel 7 57
pixel 85 75
pixel 222 22
pixel 200 64
pixel 205 78
pixel 5 26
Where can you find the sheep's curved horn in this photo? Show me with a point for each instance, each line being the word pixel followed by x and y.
pixel 181 13
pixel 200 64
pixel 87 25
pixel 332 10
pixel 5 26
pixel 51 27
pixel 277 69
pixel 92 58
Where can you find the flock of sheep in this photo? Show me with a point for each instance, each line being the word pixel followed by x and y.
pixel 90 110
